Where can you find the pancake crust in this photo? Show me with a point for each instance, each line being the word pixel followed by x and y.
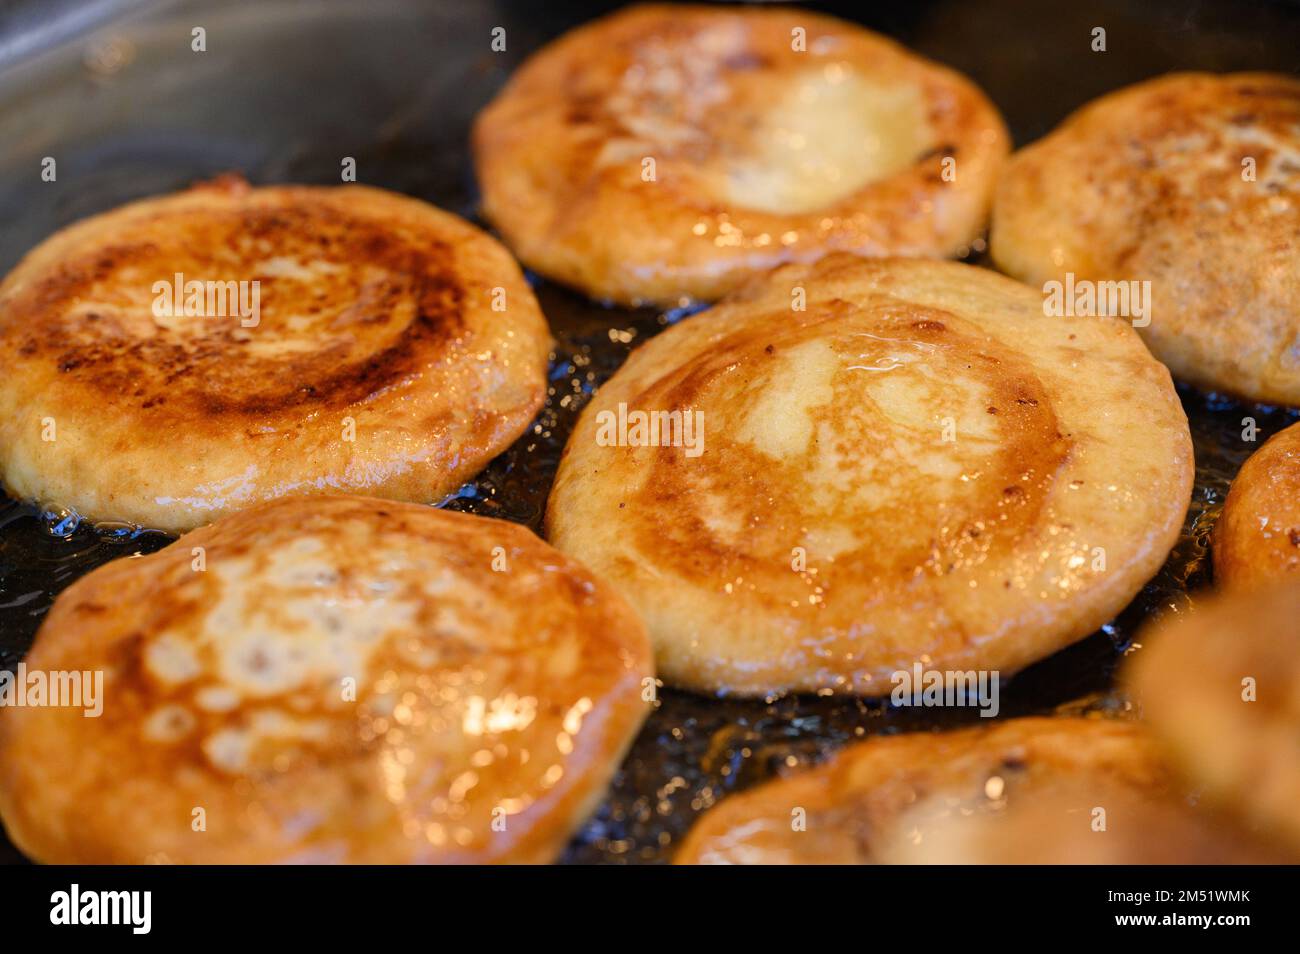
pixel 490 704
pixel 1061 825
pixel 377 362
pixel 1147 184
pixel 830 533
pixel 854 805
pixel 1257 538
pixel 763 154
pixel 1233 739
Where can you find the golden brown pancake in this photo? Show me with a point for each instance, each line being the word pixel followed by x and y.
pixel 344 679
pixel 916 468
pixel 1257 539
pixel 1077 822
pixel 668 152
pixel 1221 690
pixel 373 361
pixel 845 811
pixel 1190 182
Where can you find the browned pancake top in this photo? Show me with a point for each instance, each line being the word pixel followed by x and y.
pixel 771 500
pixel 776 135
pixel 895 461
pixel 330 679
pixel 348 306
pixel 1190 182
pixel 861 802
pixel 284 339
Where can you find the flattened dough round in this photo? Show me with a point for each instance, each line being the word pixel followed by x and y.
pixel 345 679
pixel 1257 538
pixel 374 362
pixel 1060 825
pixel 857 804
pixel 1220 688
pixel 1191 182
pixel 918 467
pixel 762 153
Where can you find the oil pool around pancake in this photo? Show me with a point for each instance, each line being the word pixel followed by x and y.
pixel 182 357
pixel 668 152
pixel 328 679
pixel 890 463
pixel 1190 182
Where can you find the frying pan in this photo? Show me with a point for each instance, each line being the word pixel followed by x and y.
pixel 286 89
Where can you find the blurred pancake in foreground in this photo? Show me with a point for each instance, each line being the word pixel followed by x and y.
pixel 667 152
pixel 328 679
pixel 860 803
pixel 181 357
pixel 1257 538
pixel 1220 688
pixel 1071 823
pixel 1191 183
pixel 849 468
